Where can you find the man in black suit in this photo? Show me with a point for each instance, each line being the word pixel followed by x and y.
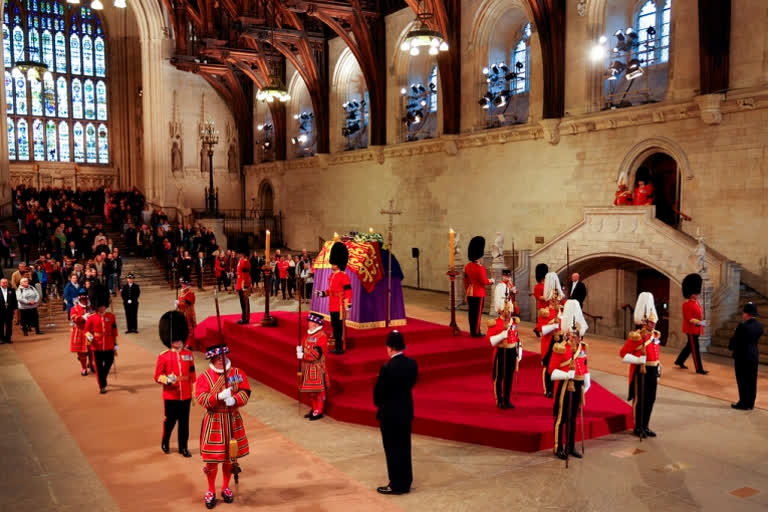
pixel 185 266
pixel 392 396
pixel 130 294
pixel 578 290
pixel 8 305
pixel 745 356
pixel 200 269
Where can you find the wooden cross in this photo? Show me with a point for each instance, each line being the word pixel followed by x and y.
pixel 391 212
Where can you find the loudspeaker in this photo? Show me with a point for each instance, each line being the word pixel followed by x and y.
pixel 414 252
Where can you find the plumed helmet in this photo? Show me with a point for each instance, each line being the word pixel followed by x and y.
pixel 552 287
pixel 691 285
pixel 643 174
pixel 572 316
pixel 476 248
pixel 339 255
pixel 101 296
pixel 173 327
pixel 541 271
pixel 645 309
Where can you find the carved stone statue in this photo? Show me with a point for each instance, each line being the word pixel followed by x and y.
pixel 701 254
pixel 177 162
pixel 204 167
pixel 497 249
pixel 456 244
pixel 232 164
pixel 581 7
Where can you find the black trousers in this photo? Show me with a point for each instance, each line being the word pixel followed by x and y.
pixel 177 410
pixel 746 380
pixel 6 327
pixel 692 346
pixel 475 313
pixel 397 448
pixel 283 286
pixel 222 279
pixel 338 330
pixel 28 318
pixel 103 361
pixel 503 373
pixel 642 392
pixel 244 306
pixel 549 386
pixel 565 410
pixel 131 312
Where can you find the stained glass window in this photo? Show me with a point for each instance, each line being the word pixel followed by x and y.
pixel 11 139
pixel 652 27
pixel 90 143
pixel 23 138
pixel 38 138
pixel 63 141
pixel 69 39
pixel 50 140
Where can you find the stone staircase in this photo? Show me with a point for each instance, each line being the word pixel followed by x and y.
pixel 722 335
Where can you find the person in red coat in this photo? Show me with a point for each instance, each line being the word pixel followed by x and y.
pixel 505 340
pixel 623 195
pixel 314 374
pixel 186 305
pixel 175 371
pixel 643 188
pixel 641 351
pixel 219 271
pixel 339 293
pixel 282 272
pixel 101 332
pixel 548 324
pixel 568 369
pixel 243 284
pixel 221 390
pixel 78 345
pixel 475 281
pixel 693 323
pixel 538 291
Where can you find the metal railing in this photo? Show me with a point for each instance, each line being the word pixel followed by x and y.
pixel 252 223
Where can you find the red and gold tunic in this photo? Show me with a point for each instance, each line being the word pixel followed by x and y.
pixel 314 375
pixel 561 358
pixel 104 330
pixel 77 341
pixel 538 294
pixel 643 195
pixel 180 363
pixel 187 306
pixel 623 198
pixel 220 422
pixel 634 346
pixel 692 311
pixel 243 275
pixel 547 315
pixel 339 288
pixel 513 336
pixel 475 279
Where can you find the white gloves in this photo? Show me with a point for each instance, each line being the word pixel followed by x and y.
pixel 498 338
pixel 223 395
pixel 559 375
pixel 549 328
pixel 89 337
pixel 115 349
pixel 629 358
pixel 171 379
pixel 587 382
pixel 703 323
pixel 571 374
pixel 299 353
pixel 230 401
pixel 176 303
pixel 643 359
pixel 514 290
pixel 519 352
pixel 492 280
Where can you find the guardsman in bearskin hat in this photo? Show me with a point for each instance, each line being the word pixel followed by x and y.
pixel 568 368
pixel 221 389
pixel 693 323
pixel 475 281
pixel 186 305
pixel 78 314
pixel 339 292
pixel 504 337
pixel 641 351
pixel 643 187
pixel 101 332
pixel 623 196
pixel 548 324
pixel 243 283
pixel 175 370
pixel 538 291
pixel 314 375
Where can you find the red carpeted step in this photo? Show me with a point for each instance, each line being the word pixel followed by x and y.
pixel 454 396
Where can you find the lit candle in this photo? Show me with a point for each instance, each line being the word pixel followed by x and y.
pixel 451 235
pixel 266 251
pixel 335 237
pixel 370 230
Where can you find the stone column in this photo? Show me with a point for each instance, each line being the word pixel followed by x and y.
pixel 156 157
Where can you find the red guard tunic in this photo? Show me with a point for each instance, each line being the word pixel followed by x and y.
pixel 220 422
pixel 243 275
pixel 77 342
pixel 643 195
pixel 104 330
pixel 538 294
pixel 692 310
pixel 561 359
pixel 187 306
pixel 633 346
pixel 475 279
pixel 339 288
pixel 547 315
pixel 217 268
pixel 513 336
pixel 623 198
pixel 314 376
pixel 180 363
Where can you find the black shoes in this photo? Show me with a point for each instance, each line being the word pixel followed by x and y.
pixel 741 407
pixel 640 433
pixel 103 391
pixel 575 454
pixel 560 454
pixel 164 447
pixel 507 405
pixel 702 372
pixel 389 490
pixel 314 417
pixel 548 394
pixel 681 366
pixel 649 433
pixel 183 451
pixel 309 414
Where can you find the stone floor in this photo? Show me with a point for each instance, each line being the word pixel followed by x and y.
pixel 66 447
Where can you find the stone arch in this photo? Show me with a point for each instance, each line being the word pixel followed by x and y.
pixel 300 101
pixel 266 196
pixel 347 69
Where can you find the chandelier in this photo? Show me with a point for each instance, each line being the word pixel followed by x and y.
pixel 33 70
pixel 423 36
pixel 275 90
pixel 209 135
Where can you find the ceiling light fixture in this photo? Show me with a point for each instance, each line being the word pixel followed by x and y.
pixel 424 37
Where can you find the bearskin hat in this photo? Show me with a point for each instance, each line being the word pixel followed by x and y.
pixel 691 285
pixel 541 271
pixel 173 327
pixel 242 248
pixel 101 295
pixel 339 255
pixel 476 248
pixel 643 174
pixel 645 309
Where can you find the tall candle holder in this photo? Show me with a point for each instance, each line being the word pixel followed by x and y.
pixel 267 320
pixel 452 276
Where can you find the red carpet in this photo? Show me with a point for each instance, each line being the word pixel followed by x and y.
pixel 453 398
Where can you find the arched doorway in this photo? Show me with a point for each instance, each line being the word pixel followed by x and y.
pixel 266 198
pixel 664 176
